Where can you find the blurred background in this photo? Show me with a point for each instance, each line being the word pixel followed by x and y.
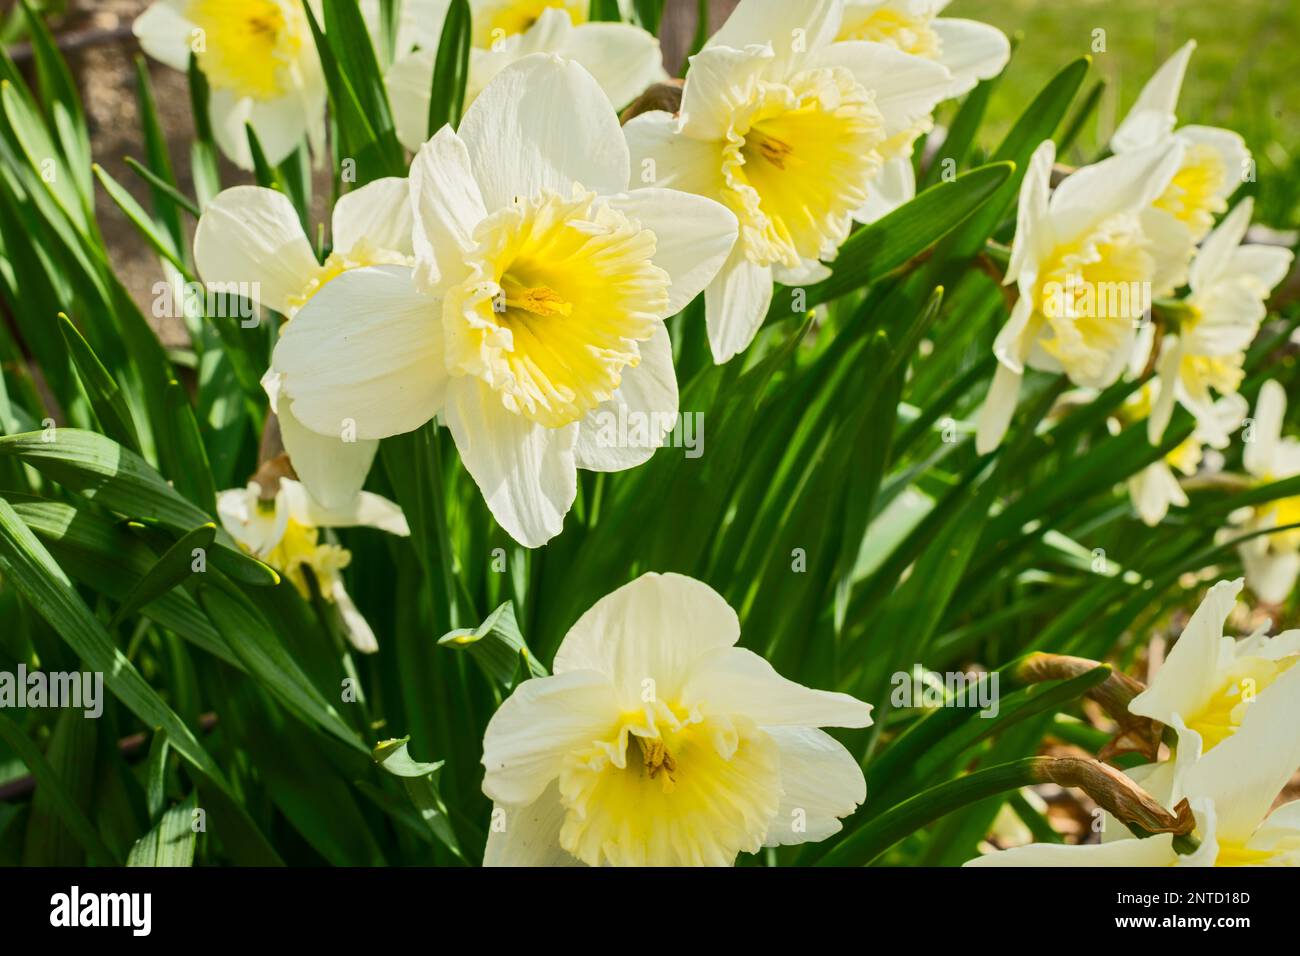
pixel 1243 76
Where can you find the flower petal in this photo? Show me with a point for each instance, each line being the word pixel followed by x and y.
pixel 624 59
pixel 822 784
pixel 694 237
pixel 654 628
pixel 735 305
pixel 1157 850
pixel 720 80
pixel 409 82
pixel 366 350
pixel 364 510
pixel 165 33
pixel 793 28
pixel 998 409
pixel 1153 115
pixel 333 470
pixel 448 207
pixel 1033 227
pixel 379 213
pixel 894 185
pixel 1259 453
pixel 1125 183
pixel 626 430
pixel 1211 262
pixel 664 156
pixel 972 51
pixel 527 472
pixel 738 681
pixel 907 88
pixel 531 834
pixel 253 237
pixel 543 123
pixel 544 719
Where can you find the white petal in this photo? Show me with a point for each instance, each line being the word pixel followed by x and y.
pixel 624 59
pixel 1270 575
pixel 543 123
pixel 1211 262
pixel 719 81
pixel 1033 227
pixel 165 33
pixel 281 125
pixel 1244 774
pixel 1190 674
pixel 1157 850
pixel 735 305
pixel 252 236
pixel 662 156
pixel 1264 267
pixel 333 470
pixel 410 83
pixel 448 207
pixel 1259 453
pixel 694 236
pixel 654 628
pixel 527 472
pixel 907 88
pixel 972 51
pixel 379 213
pixel 894 185
pixel 998 409
pixel 544 719
pixel 366 350
pixel 1153 490
pixel 1125 183
pixel 793 28
pixel 626 430
pixel 531 836
pixel 1162 410
pixel 363 510
pixel 256 529
pixel 1153 115
pixel 822 784
pixel 737 681
pixel 1232 150
pixel 358 630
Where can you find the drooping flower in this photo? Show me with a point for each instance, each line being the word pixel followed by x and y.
pixel 259 58
pixel 536 305
pixel 1229 789
pixel 790 130
pixel 1155 488
pixel 284 531
pixel 1214 162
pixel 1229 283
pixel 1083 268
pixel 251 241
pixel 1271 561
pixel 658 742
pixel 623 58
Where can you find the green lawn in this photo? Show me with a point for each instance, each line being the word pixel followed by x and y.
pixel 1242 76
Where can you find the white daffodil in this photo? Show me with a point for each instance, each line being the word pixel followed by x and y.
pixel 1271 561
pixel 1230 790
pixel 1214 163
pixel 969 50
pixel 790 130
pixel 535 310
pixel 657 742
pixel 1229 283
pixel 1155 488
pixel 1083 267
pixel 284 532
pixel 624 59
pixel 259 58
pixel 250 240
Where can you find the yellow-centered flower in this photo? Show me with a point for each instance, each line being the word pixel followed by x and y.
pixel 1271 561
pixel 657 742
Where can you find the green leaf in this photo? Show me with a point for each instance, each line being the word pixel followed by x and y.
pixel 497 645
pixel 105 396
pixel 99 469
pixel 451 68
pixel 175 566
pixel 171 841
pixel 420 782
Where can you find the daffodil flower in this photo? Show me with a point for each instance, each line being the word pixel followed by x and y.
pixel 1155 488
pixel 623 58
pixel 1271 561
pixel 1083 267
pixel 1214 163
pixel 283 530
pixel 1230 790
pixel 790 130
pixel 535 308
pixel 1229 283
pixel 658 742
pixel 969 50
pixel 259 58
pixel 250 240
